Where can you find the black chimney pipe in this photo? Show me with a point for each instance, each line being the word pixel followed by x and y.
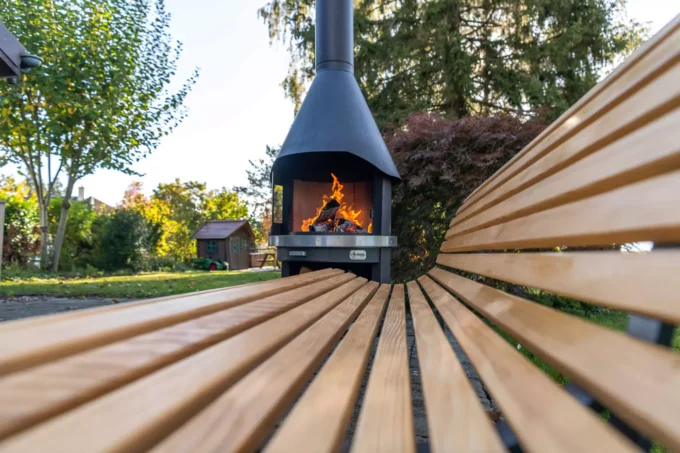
pixel 335 35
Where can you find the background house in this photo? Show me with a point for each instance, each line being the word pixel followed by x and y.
pixel 226 240
pixel 94 203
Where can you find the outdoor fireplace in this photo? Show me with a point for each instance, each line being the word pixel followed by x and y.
pixel 333 177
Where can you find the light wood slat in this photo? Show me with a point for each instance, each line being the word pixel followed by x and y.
pixel 321 415
pixel 48 318
pixel 543 416
pixel 642 283
pixel 33 395
pixel 239 420
pixel 455 418
pixel 137 416
pixel 648 152
pixel 30 346
pixel 386 421
pixel 638 381
pixel 644 211
pixel 660 51
pixel 650 102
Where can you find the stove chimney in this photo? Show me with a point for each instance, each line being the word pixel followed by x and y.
pixel 334 117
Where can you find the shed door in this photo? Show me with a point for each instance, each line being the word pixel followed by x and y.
pixel 234 248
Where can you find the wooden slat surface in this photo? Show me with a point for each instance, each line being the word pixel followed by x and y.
pixel 649 151
pixel 386 421
pixel 649 103
pixel 239 420
pixel 455 417
pixel 137 416
pixel 321 415
pixel 644 211
pixel 643 283
pixel 31 345
pixel 638 381
pixel 32 395
pixel 542 415
pixel 658 53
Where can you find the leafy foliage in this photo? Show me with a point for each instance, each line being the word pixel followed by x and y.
pixel 100 99
pixel 120 240
pixel 441 161
pixel 462 57
pixel 258 192
pixel 21 239
pixel 77 238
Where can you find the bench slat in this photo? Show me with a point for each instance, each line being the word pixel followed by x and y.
pixel 241 418
pixel 646 62
pixel 649 151
pixel 50 341
pixel 643 211
pixel 386 421
pixel 643 283
pixel 649 103
pixel 321 415
pixel 543 416
pixel 455 418
pixel 137 416
pixel 40 392
pixel 639 381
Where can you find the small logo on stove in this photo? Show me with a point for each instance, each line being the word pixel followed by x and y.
pixel 357 255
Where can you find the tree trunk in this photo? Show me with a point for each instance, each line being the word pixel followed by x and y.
pixel 44 250
pixel 63 219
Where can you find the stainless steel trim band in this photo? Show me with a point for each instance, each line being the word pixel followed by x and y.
pixel 332 240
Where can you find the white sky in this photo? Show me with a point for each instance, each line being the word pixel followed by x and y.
pixel 238 107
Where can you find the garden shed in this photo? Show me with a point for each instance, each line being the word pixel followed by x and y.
pixel 226 240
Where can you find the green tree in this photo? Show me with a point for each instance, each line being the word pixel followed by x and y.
pixel 77 243
pixel 258 192
pixel 100 100
pixel 460 57
pixel 120 240
pixel 21 228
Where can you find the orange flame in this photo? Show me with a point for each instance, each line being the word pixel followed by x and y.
pixel 344 212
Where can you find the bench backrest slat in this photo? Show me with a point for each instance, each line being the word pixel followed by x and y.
pixel 658 52
pixel 649 151
pixel 644 283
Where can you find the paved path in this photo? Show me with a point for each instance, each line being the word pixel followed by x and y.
pixel 27 306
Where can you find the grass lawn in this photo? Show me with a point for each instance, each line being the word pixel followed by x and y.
pixel 131 286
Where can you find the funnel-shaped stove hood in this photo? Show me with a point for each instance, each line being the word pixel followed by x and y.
pixel 334 117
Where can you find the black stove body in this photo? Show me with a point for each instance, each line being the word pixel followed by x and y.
pixel 334 135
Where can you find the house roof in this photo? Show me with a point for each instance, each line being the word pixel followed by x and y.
pixel 221 229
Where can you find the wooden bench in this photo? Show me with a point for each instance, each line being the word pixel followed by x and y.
pixel 279 365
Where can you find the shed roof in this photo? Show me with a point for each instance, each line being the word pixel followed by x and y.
pixel 221 229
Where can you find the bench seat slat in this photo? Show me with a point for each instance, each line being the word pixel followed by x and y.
pixel 321 415
pixel 642 283
pixel 240 418
pixel 50 341
pixel 647 62
pixel 385 422
pixel 647 152
pixel 643 211
pixel 638 381
pixel 543 416
pixel 455 418
pixel 35 394
pixel 137 416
